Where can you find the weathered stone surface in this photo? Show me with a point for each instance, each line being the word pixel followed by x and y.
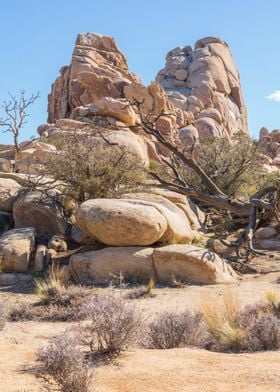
pixel 10 279
pixel 9 191
pixel 268 244
pixel 194 214
pixel 78 235
pixel 5 165
pixel 100 267
pixel 178 225
pixel 40 258
pixel 98 69
pixel 191 264
pixel 265 232
pixel 212 86
pixel 108 106
pixel 41 210
pixel 15 249
pixel 58 244
pixel 121 222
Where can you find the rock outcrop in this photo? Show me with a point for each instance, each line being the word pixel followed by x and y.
pixel 204 83
pixel 41 210
pixel 191 264
pixel 140 220
pixel 16 247
pixel 186 263
pixel 270 144
pixel 135 264
pixel 98 69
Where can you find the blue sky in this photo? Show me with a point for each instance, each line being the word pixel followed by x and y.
pixel 37 38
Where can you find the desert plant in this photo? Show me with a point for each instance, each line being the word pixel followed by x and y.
pixel 3 316
pixel 171 329
pixel 63 367
pixel 95 170
pixel 222 321
pixel 114 325
pixel 263 333
pixel 22 312
pixel 143 291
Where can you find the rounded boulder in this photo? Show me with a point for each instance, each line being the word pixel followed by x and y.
pixel 117 222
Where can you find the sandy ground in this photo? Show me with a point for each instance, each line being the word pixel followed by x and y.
pixel 177 370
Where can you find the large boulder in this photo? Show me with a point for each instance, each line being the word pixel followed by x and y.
pixel 191 264
pixel 135 264
pixel 142 220
pixel 108 106
pixel 41 210
pixel 9 191
pixel 121 222
pixel 16 247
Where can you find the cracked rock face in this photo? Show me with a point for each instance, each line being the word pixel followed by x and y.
pixel 204 83
pixel 98 69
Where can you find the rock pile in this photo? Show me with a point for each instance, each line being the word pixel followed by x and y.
pixel 204 83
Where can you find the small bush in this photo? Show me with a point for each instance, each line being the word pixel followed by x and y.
pixel 114 325
pixel 263 333
pixel 3 316
pixel 172 330
pixel 62 366
pixel 22 312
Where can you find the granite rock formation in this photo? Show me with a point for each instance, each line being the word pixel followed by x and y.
pixel 204 83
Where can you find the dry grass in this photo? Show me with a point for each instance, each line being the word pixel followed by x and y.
pixel 142 291
pixel 221 320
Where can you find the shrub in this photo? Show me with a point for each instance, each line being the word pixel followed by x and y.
pixel 90 170
pixel 263 333
pixel 234 166
pixel 62 366
pixel 114 325
pixel 222 320
pixel 3 316
pixel 21 312
pixel 172 330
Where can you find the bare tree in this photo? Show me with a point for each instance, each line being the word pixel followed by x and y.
pixel 15 111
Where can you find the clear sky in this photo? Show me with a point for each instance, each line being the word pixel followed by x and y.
pixel 37 38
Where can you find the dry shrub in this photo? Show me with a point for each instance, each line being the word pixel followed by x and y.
pixel 143 291
pixel 263 333
pixel 114 325
pixel 22 312
pixel 63 367
pixel 95 170
pixel 3 316
pixel 171 330
pixel 255 328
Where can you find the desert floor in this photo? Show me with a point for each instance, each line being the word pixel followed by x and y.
pixel 177 370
